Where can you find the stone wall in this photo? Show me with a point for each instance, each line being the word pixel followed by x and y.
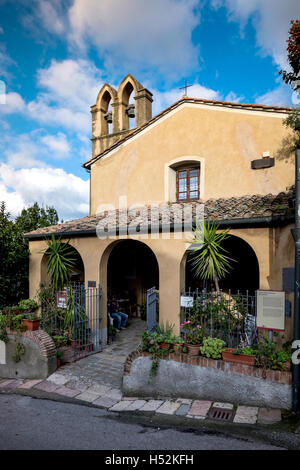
pixel 184 376
pixel 38 361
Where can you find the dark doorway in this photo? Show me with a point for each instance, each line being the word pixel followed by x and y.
pixel 132 267
pixel 244 274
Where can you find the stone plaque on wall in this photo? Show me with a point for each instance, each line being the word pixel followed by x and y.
pixel 270 309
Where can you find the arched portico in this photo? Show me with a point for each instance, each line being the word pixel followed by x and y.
pixel 244 272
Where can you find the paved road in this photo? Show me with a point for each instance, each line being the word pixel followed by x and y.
pixel 35 424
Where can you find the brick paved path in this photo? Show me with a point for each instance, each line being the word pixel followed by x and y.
pixel 106 368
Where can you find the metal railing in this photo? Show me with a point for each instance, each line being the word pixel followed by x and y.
pixel 76 315
pixel 225 315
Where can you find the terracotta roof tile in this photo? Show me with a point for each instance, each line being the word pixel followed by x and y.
pixel 244 207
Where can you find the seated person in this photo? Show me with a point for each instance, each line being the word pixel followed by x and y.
pixel 120 317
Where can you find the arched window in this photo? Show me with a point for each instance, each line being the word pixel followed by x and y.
pixel 183 181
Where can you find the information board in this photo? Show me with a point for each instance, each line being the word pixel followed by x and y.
pixel 61 299
pixel 186 301
pixel 270 307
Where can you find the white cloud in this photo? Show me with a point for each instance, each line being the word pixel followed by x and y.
pixel 68 193
pixel 11 103
pixel 232 97
pixel 164 99
pixel 40 16
pixel 271 19
pixel 148 33
pixel 279 96
pixel 58 144
pixel 69 89
pixel 48 12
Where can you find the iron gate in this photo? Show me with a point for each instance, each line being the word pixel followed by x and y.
pixel 152 302
pixel 86 308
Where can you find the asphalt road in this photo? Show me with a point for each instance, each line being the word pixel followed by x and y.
pixel 36 424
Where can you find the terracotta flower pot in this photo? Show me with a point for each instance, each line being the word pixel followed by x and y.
pixel 178 348
pixel 164 345
pixel 193 349
pixel 58 362
pixel 229 356
pixel 31 325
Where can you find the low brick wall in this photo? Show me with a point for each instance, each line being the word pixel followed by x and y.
pixel 38 361
pixel 182 375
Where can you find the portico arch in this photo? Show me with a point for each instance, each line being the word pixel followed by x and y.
pixel 245 272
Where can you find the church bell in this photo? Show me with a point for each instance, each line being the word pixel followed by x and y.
pixel 108 117
pixel 131 111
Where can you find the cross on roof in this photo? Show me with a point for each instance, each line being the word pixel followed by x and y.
pixel 185 87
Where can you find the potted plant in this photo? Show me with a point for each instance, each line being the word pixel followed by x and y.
pixel 163 336
pixel 193 335
pixel 178 343
pixel 239 355
pixel 212 348
pixel 31 319
pixel 270 356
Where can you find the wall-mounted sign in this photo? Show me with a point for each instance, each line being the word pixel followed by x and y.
pixel 186 301
pixel 270 309
pixel 61 299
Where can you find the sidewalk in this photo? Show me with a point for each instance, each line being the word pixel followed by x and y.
pixel 111 399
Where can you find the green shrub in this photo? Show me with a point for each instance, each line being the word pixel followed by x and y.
pixel 212 347
pixel 28 305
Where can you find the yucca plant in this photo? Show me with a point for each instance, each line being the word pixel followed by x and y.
pixel 61 260
pixel 208 259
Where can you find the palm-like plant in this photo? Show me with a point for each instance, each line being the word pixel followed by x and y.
pixel 208 259
pixel 61 260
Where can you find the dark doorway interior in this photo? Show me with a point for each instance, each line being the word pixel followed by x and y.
pixel 132 267
pixel 244 274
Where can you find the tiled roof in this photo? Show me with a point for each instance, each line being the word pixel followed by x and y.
pixel 131 133
pixel 234 208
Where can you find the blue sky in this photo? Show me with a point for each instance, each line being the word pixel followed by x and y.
pixel 56 54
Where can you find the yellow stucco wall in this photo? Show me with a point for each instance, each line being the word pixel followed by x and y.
pixel 224 140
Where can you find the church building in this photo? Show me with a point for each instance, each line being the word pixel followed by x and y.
pixel 150 178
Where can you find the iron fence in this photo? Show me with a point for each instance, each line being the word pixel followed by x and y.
pixel 74 316
pixel 225 315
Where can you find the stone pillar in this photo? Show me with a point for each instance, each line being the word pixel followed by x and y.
pixel 143 106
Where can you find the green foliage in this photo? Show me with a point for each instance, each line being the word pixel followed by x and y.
pixel 293 54
pixel 248 351
pixel 28 305
pixel 207 258
pixel 3 325
pixel 14 251
pixel 60 340
pixel 20 350
pixel 269 356
pixel 61 259
pixel 212 347
pixel 218 314
pixel 152 342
